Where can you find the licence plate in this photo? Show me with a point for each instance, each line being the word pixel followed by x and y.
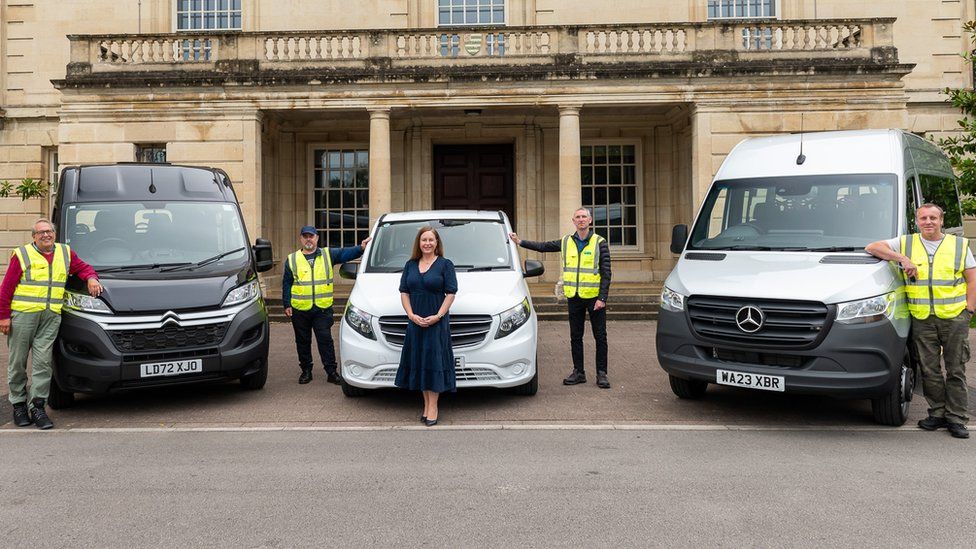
pixel 751 381
pixel 173 368
pixel 458 361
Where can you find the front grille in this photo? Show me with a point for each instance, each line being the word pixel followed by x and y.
pixel 170 336
pixel 788 324
pixel 467 373
pixel 761 359
pixel 466 330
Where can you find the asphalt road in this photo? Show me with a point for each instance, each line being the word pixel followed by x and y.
pixel 477 488
pixel 640 396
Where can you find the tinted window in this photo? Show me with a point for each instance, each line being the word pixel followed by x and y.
pixel 797 213
pixel 910 205
pixel 941 191
pixel 469 244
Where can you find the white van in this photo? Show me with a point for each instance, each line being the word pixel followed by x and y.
pixel 773 290
pixel 493 323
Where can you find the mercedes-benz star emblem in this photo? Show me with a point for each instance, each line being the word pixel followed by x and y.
pixel 749 319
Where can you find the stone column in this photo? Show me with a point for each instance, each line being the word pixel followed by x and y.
pixel 380 176
pixel 570 193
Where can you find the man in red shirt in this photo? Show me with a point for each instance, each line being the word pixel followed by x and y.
pixel 31 297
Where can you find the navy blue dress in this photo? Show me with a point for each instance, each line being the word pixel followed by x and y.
pixel 427 361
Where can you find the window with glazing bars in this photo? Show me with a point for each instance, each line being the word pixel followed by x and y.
pixel 341 196
pixel 470 12
pixel 208 14
pixel 154 153
pixel 609 186
pixel 741 9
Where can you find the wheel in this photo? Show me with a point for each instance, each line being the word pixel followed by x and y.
pixel 351 391
pixel 57 398
pixel 530 388
pixel 892 408
pixel 687 388
pixel 256 381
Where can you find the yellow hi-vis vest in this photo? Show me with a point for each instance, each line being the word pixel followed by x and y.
pixel 581 269
pixel 41 284
pixel 940 287
pixel 311 285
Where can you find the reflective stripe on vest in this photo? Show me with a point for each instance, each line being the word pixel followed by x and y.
pixel 581 269
pixel 311 285
pixel 41 285
pixel 940 287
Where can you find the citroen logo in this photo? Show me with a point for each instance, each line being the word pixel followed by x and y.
pixel 170 318
pixel 749 319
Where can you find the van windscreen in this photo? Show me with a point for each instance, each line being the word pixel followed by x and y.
pixel 818 213
pixel 472 245
pixel 158 234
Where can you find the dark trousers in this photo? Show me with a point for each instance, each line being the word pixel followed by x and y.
pixel 946 339
pixel 578 309
pixel 319 321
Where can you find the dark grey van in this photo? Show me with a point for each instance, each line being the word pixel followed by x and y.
pixel 181 301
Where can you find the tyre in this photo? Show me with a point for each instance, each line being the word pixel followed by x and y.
pixel 256 381
pixel 57 398
pixel 687 388
pixel 892 408
pixel 351 391
pixel 530 388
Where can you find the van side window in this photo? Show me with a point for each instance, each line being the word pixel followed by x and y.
pixel 910 205
pixel 941 190
pixel 717 223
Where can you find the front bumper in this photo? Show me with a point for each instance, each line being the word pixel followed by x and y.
pixel 506 362
pixel 852 360
pixel 88 361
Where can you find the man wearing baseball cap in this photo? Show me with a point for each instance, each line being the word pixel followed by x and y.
pixel 306 292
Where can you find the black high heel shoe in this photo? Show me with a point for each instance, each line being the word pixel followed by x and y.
pixel 423 419
pixel 430 422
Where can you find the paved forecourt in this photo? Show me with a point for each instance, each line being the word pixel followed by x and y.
pixel 640 397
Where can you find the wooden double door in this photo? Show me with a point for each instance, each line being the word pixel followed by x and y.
pixel 475 177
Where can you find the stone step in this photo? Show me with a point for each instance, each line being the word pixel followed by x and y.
pixel 629 301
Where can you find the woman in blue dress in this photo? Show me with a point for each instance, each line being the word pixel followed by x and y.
pixel 427 288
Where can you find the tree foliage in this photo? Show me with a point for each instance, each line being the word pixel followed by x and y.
pixel 26 188
pixel 961 147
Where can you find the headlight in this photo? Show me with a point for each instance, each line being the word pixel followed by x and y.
pixel 85 302
pixel 511 319
pixel 242 294
pixel 866 310
pixel 359 320
pixel 672 300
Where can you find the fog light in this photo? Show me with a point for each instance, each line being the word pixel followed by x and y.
pixel 518 369
pixel 357 371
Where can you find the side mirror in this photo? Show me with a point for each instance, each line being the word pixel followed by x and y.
pixel 263 257
pixel 533 268
pixel 349 270
pixel 679 236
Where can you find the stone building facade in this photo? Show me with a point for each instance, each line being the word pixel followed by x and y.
pixel 332 113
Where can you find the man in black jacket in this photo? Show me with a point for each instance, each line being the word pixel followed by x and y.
pixel 586 284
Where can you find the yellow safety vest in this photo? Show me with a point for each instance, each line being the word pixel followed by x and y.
pixel 41 284
pixel 940 287
pixel 581 270
pixel 311 285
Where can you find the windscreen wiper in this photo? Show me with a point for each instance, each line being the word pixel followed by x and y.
pixel 836 249
pixel 741 247
pixel 207 261
pixel 144 267
pixel 489 268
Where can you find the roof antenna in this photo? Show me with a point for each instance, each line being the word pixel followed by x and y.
pixel 801 158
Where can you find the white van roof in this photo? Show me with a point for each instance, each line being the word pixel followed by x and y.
pixel 424 215
pixel 835 152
